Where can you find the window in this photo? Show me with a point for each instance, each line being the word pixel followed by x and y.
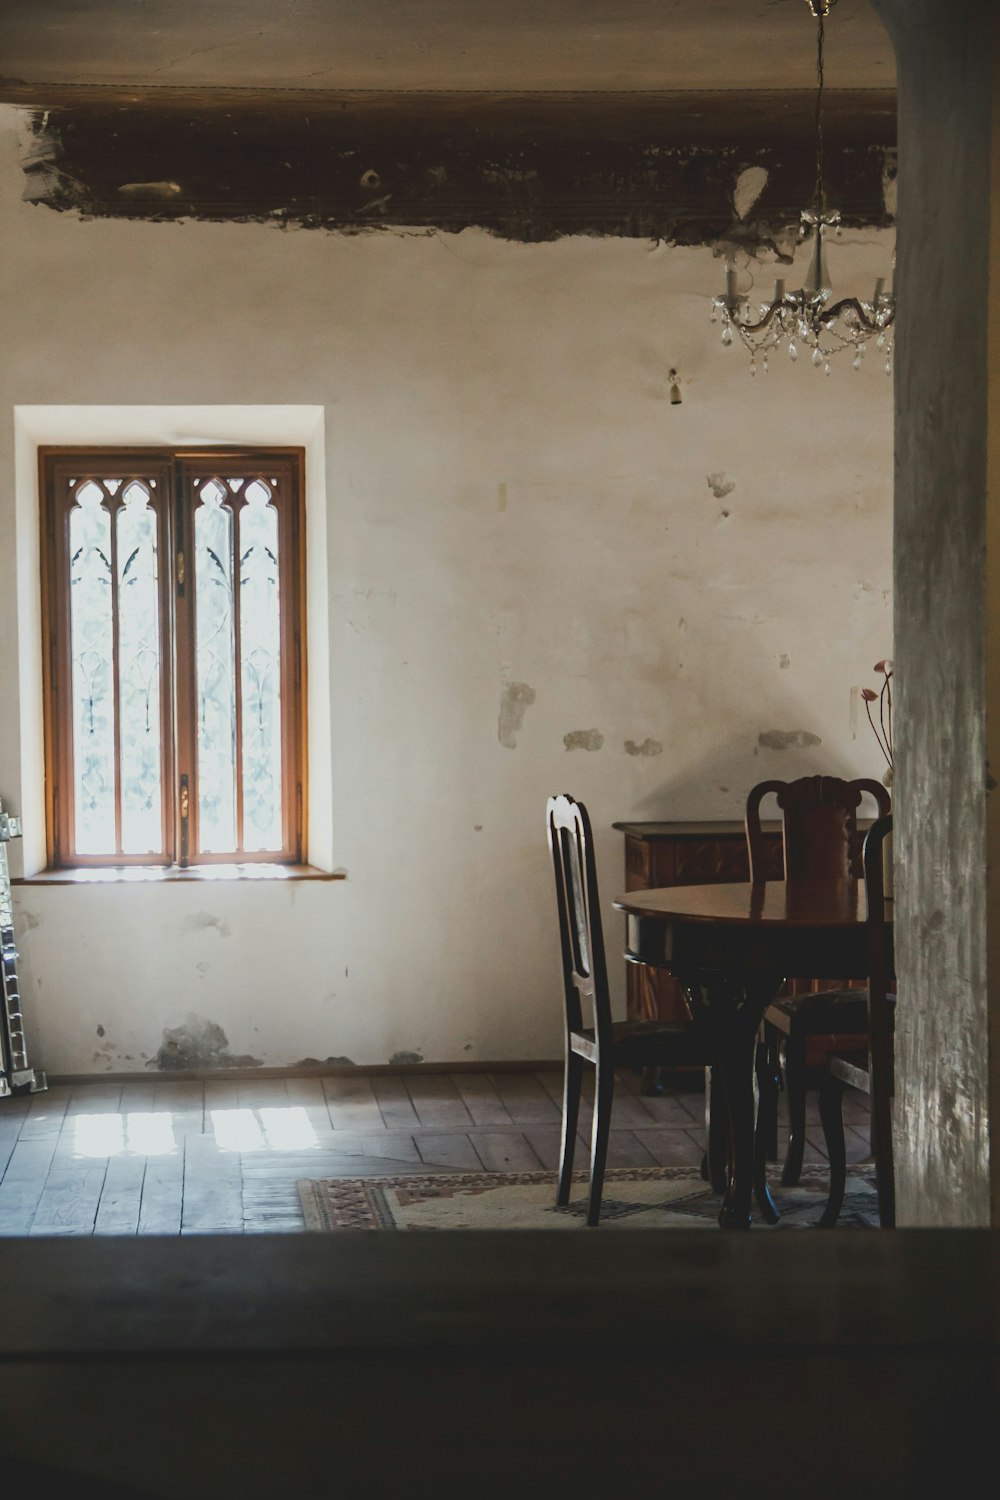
pixel 172 601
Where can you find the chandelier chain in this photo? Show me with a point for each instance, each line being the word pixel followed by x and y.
pixel 820 187
pixel 807 318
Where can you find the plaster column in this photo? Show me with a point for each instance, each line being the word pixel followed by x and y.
pixel 947 611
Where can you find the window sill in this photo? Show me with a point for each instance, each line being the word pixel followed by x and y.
pixel 155 874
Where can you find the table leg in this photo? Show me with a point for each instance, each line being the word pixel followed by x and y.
pixel 733 1009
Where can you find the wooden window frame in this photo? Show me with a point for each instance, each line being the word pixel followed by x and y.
pixel 173 469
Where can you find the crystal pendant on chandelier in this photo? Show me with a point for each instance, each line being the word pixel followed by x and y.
pixel 807 317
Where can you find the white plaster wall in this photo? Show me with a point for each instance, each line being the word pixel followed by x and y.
pixel 511 499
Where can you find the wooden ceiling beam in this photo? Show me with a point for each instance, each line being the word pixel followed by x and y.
pixel 526 166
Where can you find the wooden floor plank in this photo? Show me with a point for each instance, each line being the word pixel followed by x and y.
pixel 139 1098
pixel 307 1094
pixel 525 1098
pixel 94 1099
pixel 505 1151
pixel 671 1109
pixel 262 1093
pixel 162 1194
pixel 220 1093
pixel 46 1113
pixel 23 1183
pixel 213 1188
pixel 70 1198
pixel 625 1149
pixel 544 1141
pixel 479 1095
pixel 395 1103
pixel 351 1103
pixel 451 1151
pixel 672 1146
pixel 185 1103
pixel 437 1102
pixel 121 1196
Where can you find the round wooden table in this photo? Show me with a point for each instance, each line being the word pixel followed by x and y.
pixel 731 947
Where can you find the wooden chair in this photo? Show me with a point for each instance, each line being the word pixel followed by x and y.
pixel 605 1044
pixel 821 841
pixel 873 1075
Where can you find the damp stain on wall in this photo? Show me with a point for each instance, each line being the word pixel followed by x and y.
pixel 515 700
pixel 399 1059
pixel 647 747
pixel 583 739
pixel 197 1043
pixel 205 921
pixel 719 484
pixel 788 739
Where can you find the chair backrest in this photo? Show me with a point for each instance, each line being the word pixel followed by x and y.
pixel 819 826
pixel 881 973
pixel 585 977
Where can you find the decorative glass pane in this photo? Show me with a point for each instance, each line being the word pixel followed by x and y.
pixel 260 669
pixel 139 675
pixel 216 686
pixel 92 648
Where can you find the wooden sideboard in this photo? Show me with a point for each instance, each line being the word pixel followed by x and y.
pixel 660 854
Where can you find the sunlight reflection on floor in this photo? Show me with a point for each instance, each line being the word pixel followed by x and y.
pixel 143 1133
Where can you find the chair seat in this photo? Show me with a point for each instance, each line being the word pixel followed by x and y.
pixel 650 1043
pixel 838 1012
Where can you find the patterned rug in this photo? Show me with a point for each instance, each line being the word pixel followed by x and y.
pixel 634 1198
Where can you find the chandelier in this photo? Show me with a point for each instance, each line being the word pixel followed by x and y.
pixel 806 319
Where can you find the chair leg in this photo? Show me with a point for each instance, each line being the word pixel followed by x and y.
pixel 765 1130
pixel 831 1114
pixel 715 1161
pixel 795 1092
pixel 772 1041
pixel 768 1071
pixel 572 1085
pixel 653 1084
pixel 604 1093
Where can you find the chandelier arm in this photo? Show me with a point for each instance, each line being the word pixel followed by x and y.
pixel 831 314
pixel 764 321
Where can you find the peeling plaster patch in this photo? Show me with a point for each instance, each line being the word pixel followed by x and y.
pixel 30 920
pixel 203 968
pixel 648 747
pixel 100 1031
pixel 749 185
pixel 399 1058
pixel 719 484
pixel 150 189
pixel 515 700
pixel 199 1043
pixel 889 185
pixel 583 739
pixel 201 921
pixel 788 739
pixel 326 1062
pixel 783 661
